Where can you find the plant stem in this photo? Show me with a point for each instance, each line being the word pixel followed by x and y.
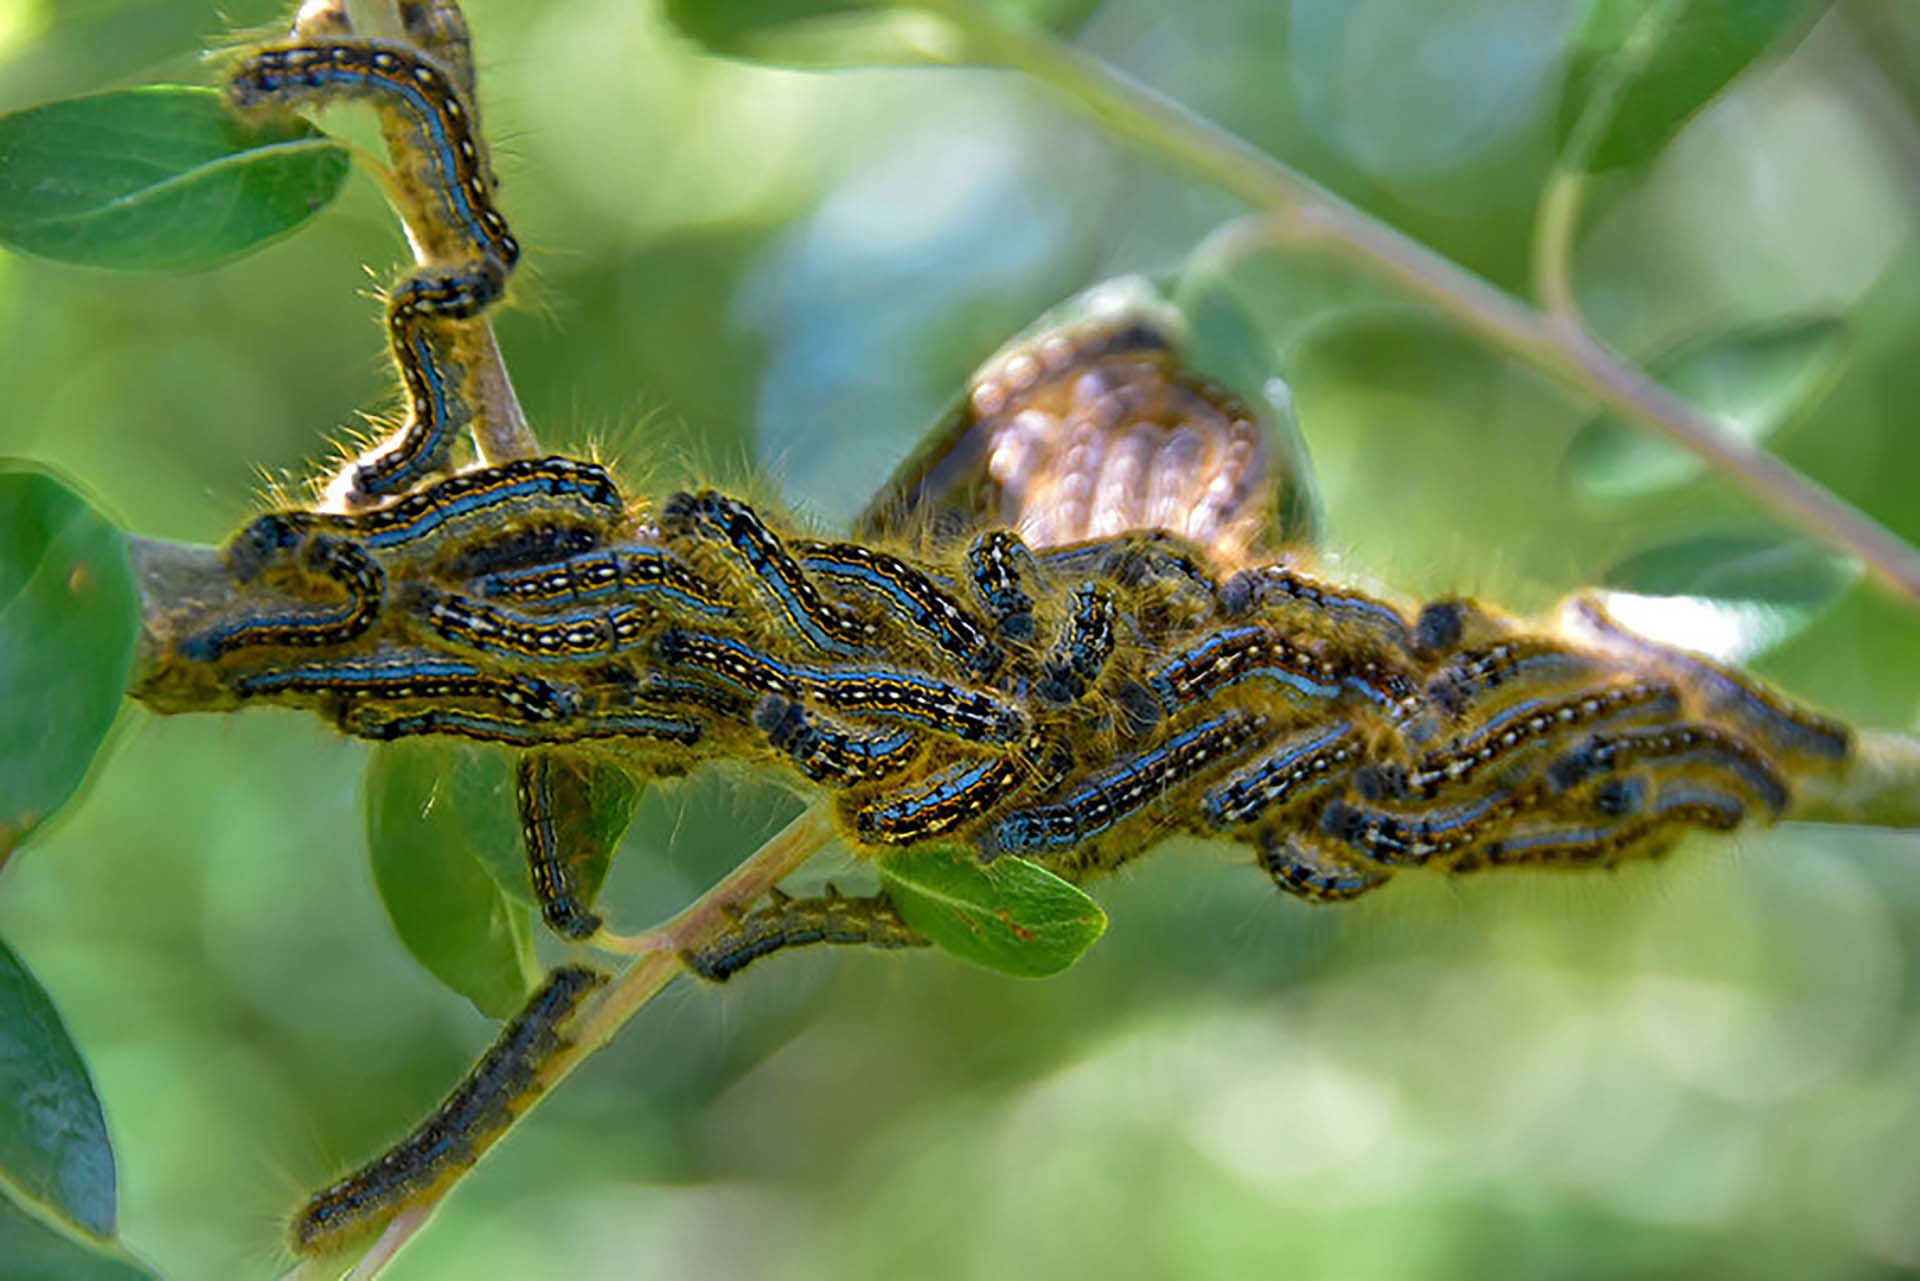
pixel 1565 351
pixel 602 1016
pixel 1880 786
pixel 1554 230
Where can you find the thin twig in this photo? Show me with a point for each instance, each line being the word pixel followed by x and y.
pixel 605 1014
pixel 1565 351
pixel 1880 786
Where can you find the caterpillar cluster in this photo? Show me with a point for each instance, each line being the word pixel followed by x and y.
pixel 1055 634
pixel 1067 704
pixel 1076 621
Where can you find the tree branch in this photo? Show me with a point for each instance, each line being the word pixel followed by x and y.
pixel 1556 345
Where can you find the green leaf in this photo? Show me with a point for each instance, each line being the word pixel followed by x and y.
pixel 1640 69
pixel 159 179
pixel 478 783
pixel 54 1156
pixel 1010 915
pixel 446 905
pixel 35 1252
pixel 593 807
pixel 1750 379
pixel 818 34
pixel 1746 590
pixel 806 33
pixel 69 623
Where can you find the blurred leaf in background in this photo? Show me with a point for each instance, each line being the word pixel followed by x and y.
pixel 1702 1067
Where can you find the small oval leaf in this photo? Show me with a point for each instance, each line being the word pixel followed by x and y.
pixel 54 1153
pixel 1733 594
pixel 445 904
pixel 1751 379
pixel 35 1252
pixel 1640 69
pixel 1010 915
pixel 69 623
pixel 157 179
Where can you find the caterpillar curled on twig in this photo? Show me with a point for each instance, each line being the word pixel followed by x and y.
pixel 785 922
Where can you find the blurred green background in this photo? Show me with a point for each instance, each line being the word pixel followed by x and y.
pixel 1706 1067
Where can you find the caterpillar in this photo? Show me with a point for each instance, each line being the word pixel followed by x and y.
pixel 1001 570
pixel 501 1085
pixel 1301 765
pixel 894 693
pixel 410 677
pixel 555 798
pixel 833 918
pixel 1777 726
pixel 562 638
pixel 921 605
pixel 1076 663
pixel 432 364
pixel 1109 797
pixel 949 798
pixel 827 627
pixel 386 725
pixel 651 574
pixel 339 561
pixel 829 753
pixel 437 152
pixel 526 502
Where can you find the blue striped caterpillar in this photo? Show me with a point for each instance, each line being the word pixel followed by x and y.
pixel 565 852
pixel 444 187
pixel 831 918
pixel 502 1084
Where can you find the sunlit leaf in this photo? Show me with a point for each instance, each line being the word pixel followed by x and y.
pixel 54 1154
pixel 33 1251
pixel 158 179
pixel 1733 594
pixel 424 833
pixel 844 33
pixel 1011 915
pixel 1751 380
pixel 69 622
pixel 1640 69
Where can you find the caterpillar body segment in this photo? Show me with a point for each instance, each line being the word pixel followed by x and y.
pixel 501 1085
pixel 786 922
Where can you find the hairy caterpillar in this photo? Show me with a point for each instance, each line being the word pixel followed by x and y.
pixel 503 1083
pixel 833 918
